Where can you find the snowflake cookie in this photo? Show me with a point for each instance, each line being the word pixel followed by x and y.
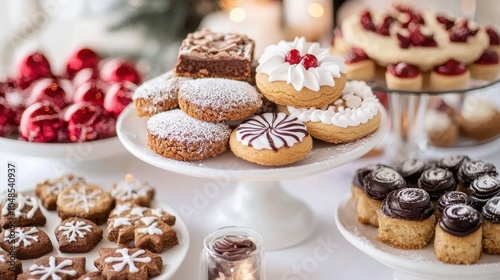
pixel 134 191
pixel 26 212
pixel 49 189
pixel 147 228
pixel 77 235
pixel 9 267
pixel 128 263
pixel 28 242
pixel 54 268
pixel 86 201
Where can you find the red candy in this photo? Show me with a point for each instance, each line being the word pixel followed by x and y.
pixel 120 70
pixel 119 95
pixel 83 122
pixel 488 57
pixel 32 68
pixel 40 122
pixel 7 119
pixel 355 55
pixel 91 93
pixel 48 90
pixel 451 68
pixel 81 59
pixel 403 70
pixel 309 60
pixel 293 57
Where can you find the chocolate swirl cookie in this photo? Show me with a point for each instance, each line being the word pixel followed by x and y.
pixel 491 210
pixel 436 181
pixel 482 189
pixel 379 183
pixel 453 163
pixel 460 220
pixel 361 173
pixel 412 169
pixel 234 248
pixel 408 204
pixel 452 198
pixel 473 169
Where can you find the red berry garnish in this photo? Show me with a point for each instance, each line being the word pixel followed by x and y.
pixel 32 68
pixel 309 60
pixel 7 119
pixel 48 90
pixel 403 70
pixel 293 57
pixel 119 95
pixel 383 29
pixel 404 42
pixel 355 55
pixel 120 70
pixel 488 57
pixel 451 68
pixel 83 122
pixel 447 22
pixel 91 93
pixel 40 122
pixel 367 21
pixel 461 32
pixel 81 59
pixel 492 33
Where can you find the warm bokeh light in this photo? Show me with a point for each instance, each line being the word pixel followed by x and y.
pixel 129 178
pixel 316 10
pixel 237 14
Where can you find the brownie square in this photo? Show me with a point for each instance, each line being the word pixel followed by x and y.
pixel 206 54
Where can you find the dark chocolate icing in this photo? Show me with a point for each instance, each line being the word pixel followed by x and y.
pixel 472 169
pixel 452 198
pixel 491 210
pixel 233 248
pixel 453 162
pixel 436 182
pixel 412 169
pixel 408 204
pixel 482 189
pixel 379 183
pixel 460 220
pixel 360 174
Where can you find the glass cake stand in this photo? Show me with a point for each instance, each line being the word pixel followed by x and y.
pixel 258 201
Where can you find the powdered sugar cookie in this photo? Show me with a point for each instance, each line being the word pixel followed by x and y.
pixel 355 115
pixel 173 134
pixel 215 99
pixel 271 139
pixel 300 74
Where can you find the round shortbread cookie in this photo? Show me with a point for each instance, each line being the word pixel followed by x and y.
pixel 173 134
pixel 271 139
pixel 217 99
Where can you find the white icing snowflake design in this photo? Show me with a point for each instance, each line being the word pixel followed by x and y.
pixel 158 212
pixel 75 228
pixel 52 271
pixel 120 208
pixel 126 259
pixel 57 187
pixel 22 201
pixel 138 211
pixel 152 228
pixel 125 190
pixel 82 199
pixel 22 237
pixel 121 221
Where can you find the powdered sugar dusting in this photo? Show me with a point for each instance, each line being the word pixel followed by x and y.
pixel 218 93
pixel 176 125
pixel 161 88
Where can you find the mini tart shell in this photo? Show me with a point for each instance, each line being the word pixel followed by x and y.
pixel 447 82
pixel 282 93
pixel 488 72
pixel 283 156
pixel 361 70
pixel 397 83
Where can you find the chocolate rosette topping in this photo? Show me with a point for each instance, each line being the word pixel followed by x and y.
pixel 491 210
pixel 460 220
pixel 473 169
pixel 453 163
pixel 234 248
pixel 436 181
pixel 453 198
pixel 482 189
pixel 361 173
pixel 408 204
pixel 379 183
pixel 412 169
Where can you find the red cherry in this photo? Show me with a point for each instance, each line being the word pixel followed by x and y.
pixel 82 122
pixel 32 68
pixel 367 21
pixel 462 32
pixel 404 42
pixel 118 96
pixel 81 59
pixel 293 56
pixel 40 122
pixel 355 55
pixel 48 90
pixel 488 57
pixel 451 68
pixel 309 60
pixel 386 24
pixel 91 93
pixel 403 70
pixel 7 119
pixel 446 21
pixel 120 70
pixel 492 33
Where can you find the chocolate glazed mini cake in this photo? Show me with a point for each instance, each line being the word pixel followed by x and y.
pixel 482 189
pixel 359 176
pixel 491 226
pixel 451 198
pixel 412 169
pixel 436 181
pixel 458 235
pixel 377 185
pixel 406 219
pixel 471 170
pixel 453 163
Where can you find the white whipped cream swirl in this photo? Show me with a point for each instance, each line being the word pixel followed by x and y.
pixel 272 62
pixel 357 106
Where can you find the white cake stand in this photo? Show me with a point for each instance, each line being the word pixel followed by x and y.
pixel 258 202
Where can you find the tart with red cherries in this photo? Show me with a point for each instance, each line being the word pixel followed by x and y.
pixel 359 65
pixel 487 67
pixel 403 76
pixel 452 75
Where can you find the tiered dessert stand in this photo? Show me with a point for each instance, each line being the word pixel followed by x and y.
pixel 258 201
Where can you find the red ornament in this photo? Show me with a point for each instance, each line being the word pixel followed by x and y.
pixel 48 90
pixel 17 99
pixel 40 122
pixel 451 68
pixel 84 76
pixel 91 93
pixel 293 56
pixel 119 95
pixel 7 119
pixel 81 59
pixel 107 128
pixel 83 121
pixel 309 60
pixel 120 70
pixel 32 68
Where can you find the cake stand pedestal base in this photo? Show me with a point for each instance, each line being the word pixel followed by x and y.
pixel 281 219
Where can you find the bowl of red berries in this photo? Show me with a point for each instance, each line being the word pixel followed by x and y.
pixel 47 114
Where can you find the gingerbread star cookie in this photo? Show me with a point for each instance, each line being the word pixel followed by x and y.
pixel 56 268
pixel 133 190
pixel 127 263
pixel 9 267
pixel 49 189
pixel 26 212
pixel 29 242
pixel 77 235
